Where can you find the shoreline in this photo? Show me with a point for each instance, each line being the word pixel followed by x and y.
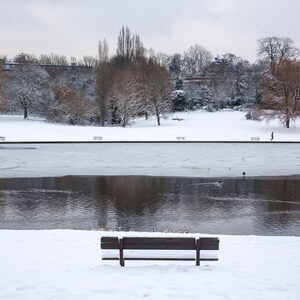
pixel 147 142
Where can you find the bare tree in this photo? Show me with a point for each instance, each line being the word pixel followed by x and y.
pixel 104 74
pixel 125 45
pixel 25 58
pixel 138 49
pixel 73 104
pixel 281 98
pixel 127 96
pixel 45 59
pixel 87 61
pixel 157 90
pixel 126 84
pixel 276 50
pixel 2 75
pixel 196 59
pixel 53 59
pixel 161 58
pixel 130 49
pixel 281 80
pixel 103 50
pixel 59 60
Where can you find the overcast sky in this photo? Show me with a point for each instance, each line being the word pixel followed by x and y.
pixel 74 27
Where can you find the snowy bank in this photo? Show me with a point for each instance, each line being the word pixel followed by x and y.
pixel 62 264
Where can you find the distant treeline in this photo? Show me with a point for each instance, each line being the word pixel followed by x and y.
pixel 114 89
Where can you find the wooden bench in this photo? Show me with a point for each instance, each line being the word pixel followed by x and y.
pixel 180 138
pixel 2 138
pixel 159 243
pixel 98 138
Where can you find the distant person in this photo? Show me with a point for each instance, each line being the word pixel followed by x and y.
pixel 272 136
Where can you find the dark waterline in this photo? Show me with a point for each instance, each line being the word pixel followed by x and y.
pixel 260 206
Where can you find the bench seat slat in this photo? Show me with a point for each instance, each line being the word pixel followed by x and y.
pixel 160 258
pixel 158 247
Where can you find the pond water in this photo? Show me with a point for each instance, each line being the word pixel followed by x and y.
pixel 260 206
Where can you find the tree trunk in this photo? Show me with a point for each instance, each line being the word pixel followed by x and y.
pixel 25 112
pixel 287 122
pixel 102 117
pixel 158 118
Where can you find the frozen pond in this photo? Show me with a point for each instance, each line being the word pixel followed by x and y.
pixel 260 206
pixel 154 159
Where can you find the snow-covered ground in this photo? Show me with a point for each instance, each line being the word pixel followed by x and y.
pixel 194 126
pixel 63 264
pixel 66 264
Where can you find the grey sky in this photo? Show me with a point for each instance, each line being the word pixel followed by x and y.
pixel 74 27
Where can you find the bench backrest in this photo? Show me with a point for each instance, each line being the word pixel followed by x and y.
pixel 159 243
pixel 151 243
pixel 108 242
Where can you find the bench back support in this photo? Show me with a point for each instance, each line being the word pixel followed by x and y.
pixel 108 242
pixel 140 243
pixel 208 243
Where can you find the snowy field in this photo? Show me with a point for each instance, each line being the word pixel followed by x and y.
pixel 194 126
pixel 66 264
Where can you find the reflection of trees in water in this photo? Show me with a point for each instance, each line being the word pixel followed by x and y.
pixel 282 206
pixel 35 202
pixel 274 201
pixel 27 195
pixel 135 200
pixel 146 203
pixel 284 189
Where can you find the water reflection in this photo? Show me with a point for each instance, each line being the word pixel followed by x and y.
pixel 265 206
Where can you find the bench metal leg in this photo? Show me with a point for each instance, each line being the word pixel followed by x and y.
pixel 198 252
pixel 121 252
